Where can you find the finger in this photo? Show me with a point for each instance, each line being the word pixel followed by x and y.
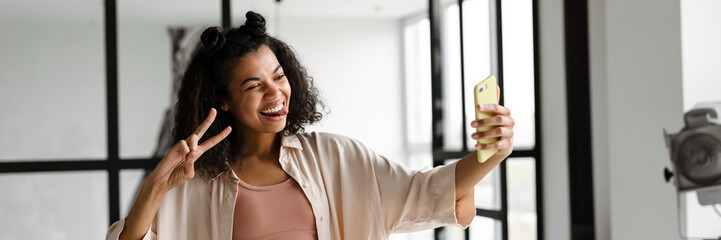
pixel 174 156
pixel 494 108
pixel 498 93
pixel 193 156
pixel 502 143
pixel 498 120
pixel 495 132
pixel 215 139
pixel 193 141
pixel 200 130
pixel 189 168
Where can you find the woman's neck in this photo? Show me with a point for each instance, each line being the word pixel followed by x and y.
pixel 258 164
pixel 259 145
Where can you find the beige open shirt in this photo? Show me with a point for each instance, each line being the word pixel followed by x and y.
pixel 355 194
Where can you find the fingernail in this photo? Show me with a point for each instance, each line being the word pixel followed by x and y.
pixel 474 124
pixel 480 107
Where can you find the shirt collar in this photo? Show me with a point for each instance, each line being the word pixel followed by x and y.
pixel 290 141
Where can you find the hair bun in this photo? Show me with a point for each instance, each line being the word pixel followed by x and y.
pixel 213 39
pixel 255 23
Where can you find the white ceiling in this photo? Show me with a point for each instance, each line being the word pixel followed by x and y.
pixel 194 11
pixel 335 8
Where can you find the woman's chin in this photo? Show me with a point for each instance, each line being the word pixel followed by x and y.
pixel 276 127
pixel 268 124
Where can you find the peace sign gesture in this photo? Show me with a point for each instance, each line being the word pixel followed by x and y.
pixel 177 167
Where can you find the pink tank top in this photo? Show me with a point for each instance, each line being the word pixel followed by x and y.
pixel 278 211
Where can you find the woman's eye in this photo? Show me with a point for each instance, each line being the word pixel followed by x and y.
pixel 279 77
pixel 254 86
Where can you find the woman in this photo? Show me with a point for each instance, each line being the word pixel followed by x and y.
pixel 268 179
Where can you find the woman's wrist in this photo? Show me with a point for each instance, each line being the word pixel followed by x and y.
pixel 154 189
pixel 146 205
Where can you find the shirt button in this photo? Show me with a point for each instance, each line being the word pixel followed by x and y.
pixel 286 161
pixel 305 185
pixel 321 218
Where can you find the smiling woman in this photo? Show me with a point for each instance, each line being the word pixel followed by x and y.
pixel 270 174
pixel 234 70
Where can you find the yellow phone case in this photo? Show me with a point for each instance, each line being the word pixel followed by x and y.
pixel 485 93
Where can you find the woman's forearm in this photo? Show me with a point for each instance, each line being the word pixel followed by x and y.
pixel 141 215
pixel 469 172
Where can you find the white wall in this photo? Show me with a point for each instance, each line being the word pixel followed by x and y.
pixel 357 67
pixel 636 92
pixel 701 51
pixel 700 38
pixel 556 197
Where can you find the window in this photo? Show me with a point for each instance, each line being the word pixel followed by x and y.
pixel 477 38
pixel 82 67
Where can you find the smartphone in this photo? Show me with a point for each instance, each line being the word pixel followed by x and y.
pixel 485 92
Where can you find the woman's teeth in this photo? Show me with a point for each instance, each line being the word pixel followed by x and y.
pixel 272 110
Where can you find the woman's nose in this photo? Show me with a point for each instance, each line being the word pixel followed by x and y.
pixel 272 89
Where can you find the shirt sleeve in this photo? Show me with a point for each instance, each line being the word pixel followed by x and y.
pixel 117 227
pixel 416 200
pixel 410 200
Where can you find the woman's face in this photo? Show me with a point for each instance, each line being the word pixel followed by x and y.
pixel 259 93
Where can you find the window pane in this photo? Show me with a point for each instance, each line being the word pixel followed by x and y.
pixel 148 67
pixel 67 205
pixel 453 233
pixel 476 54
pixel 483 228
pixel 419 160
pixel 421 235
pixel 417 61
pixel 453 124
pixel 130 182
pixel 522 220
pixel 52 80
pixel 416 37
pixel 518 69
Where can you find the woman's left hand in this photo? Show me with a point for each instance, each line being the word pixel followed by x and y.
pixel 503 123
pixel 469 171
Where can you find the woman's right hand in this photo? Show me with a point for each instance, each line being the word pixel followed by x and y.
pixel 177 167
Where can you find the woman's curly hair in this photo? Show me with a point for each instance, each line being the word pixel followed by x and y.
pixel 205 86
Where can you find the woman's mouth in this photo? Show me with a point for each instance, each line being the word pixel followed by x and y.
pixel 279 110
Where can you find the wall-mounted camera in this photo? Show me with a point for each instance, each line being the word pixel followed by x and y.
pixel 696 156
